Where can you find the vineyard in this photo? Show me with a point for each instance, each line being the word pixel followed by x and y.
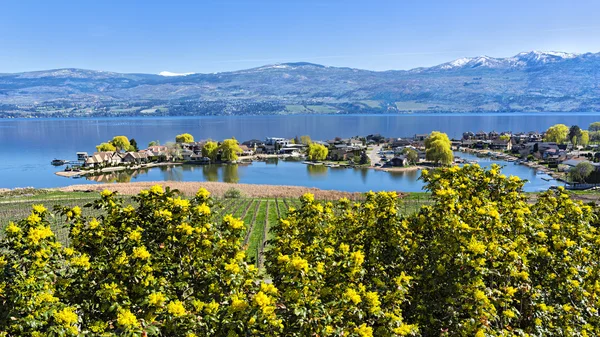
pixel 259 214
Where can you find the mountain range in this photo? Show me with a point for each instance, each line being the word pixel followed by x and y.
pixel 529 81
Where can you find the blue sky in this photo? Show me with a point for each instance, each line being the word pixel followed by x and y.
pixel 211 36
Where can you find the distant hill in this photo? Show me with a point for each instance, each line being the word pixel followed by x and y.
pixel 530 81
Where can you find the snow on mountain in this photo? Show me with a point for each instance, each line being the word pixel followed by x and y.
pixel 170 74
pixel 521 60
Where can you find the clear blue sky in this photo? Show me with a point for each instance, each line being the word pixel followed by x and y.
pixel 220 35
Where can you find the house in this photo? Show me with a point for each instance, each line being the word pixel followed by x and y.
pixel 398 161
pixel 246 151
pixel 198 158
pixel 186 154
pixel 499 144
pixel 82 156
pixel 421 137
pixel 134 157
pixel 107 158
pixel 343 152
pixel 468 135
pixel 481 135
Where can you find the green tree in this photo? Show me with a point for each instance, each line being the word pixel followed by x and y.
pixel 229 150
pixel 305 140
pixel 505 137
pixel 584 138
pixel 317 152
pixel 154 143
pixel 557 133
pixel 581 171
pixel 411 155
pixel 438 148
pixel 134 145
pixel 210 150
pixel 105 147
pixel 594 126
pixel 120 143
pixel 184 138
pixel 574 132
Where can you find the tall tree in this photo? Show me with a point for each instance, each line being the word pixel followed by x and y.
pixel 120 142
pixel 184 138
pixel 210 150
pixel 105 147
pixel 154 143
pixel 134 145
pixel 557 133
pixel 594 126
pixel 230 149
pixel 317 152
pixel 581 171
pixel 574 132
pixel 584 138
pixel 305 140
pixel 411 155
pixel 438 148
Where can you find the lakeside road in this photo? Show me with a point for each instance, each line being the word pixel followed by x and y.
pixel 217 189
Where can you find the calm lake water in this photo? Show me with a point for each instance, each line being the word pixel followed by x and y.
pixel 28 145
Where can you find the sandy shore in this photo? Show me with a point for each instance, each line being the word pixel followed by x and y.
pixel 399 169
pixel 218 189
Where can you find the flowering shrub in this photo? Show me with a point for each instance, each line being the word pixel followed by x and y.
pixel 480 261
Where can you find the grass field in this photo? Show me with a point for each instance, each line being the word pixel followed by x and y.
pixel 259 214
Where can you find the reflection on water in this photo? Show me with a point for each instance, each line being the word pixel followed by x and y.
pixel 410 174
pixel 317 170
pixel 230 174
pixel 210 172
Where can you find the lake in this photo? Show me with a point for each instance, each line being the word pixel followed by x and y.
pixel 28 145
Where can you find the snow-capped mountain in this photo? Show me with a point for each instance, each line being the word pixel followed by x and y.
pixel 521 60
pixel 171 74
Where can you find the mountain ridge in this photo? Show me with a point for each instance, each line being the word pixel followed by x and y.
pixel 527 81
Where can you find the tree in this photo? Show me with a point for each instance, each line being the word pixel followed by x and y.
pixel 305 140
pixel 411 155
pixel 581 171
pixel 154 143
pixel 120 142
pixel 210 150
pixel 594 126
pixel 230 149
pixel 557 133
pixel 184 138
pixel 438 148
pixel 584 138
pixel 134 145
pixel 505 137
pixel 574 132
pixel 317 152
pixel 105 147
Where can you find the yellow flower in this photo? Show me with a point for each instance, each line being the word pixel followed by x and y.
pixel 106 193
pixel 357 257
pixel 39 209
pixel 202 209
pixel 66 317
pixel 157 189
pixel 82 261
pixel 352 295
pixel 39 233
pixel 127 320
pixel 373 301
pixel 364 331
pixel 141 253
pixel 308 198
pixel 344 248
pixel 233 222
pixel 12 228
pixel 176 308
pixel 262 299
pixel 136 235
pixel 299 264
pixel 509 313
pixel 76 211
pixel 404 329
pixel 203 194
pixel 232 267
pixel 156 299
pixel 237 304
pixel 476 247
pixel 268 288
pixel 33 219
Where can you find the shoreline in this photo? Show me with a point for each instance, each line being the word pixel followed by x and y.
pixel 215 188
pixel 70 174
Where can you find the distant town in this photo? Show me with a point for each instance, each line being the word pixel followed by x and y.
pixel 564 153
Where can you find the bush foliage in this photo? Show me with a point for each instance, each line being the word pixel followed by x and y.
pixel 480 261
